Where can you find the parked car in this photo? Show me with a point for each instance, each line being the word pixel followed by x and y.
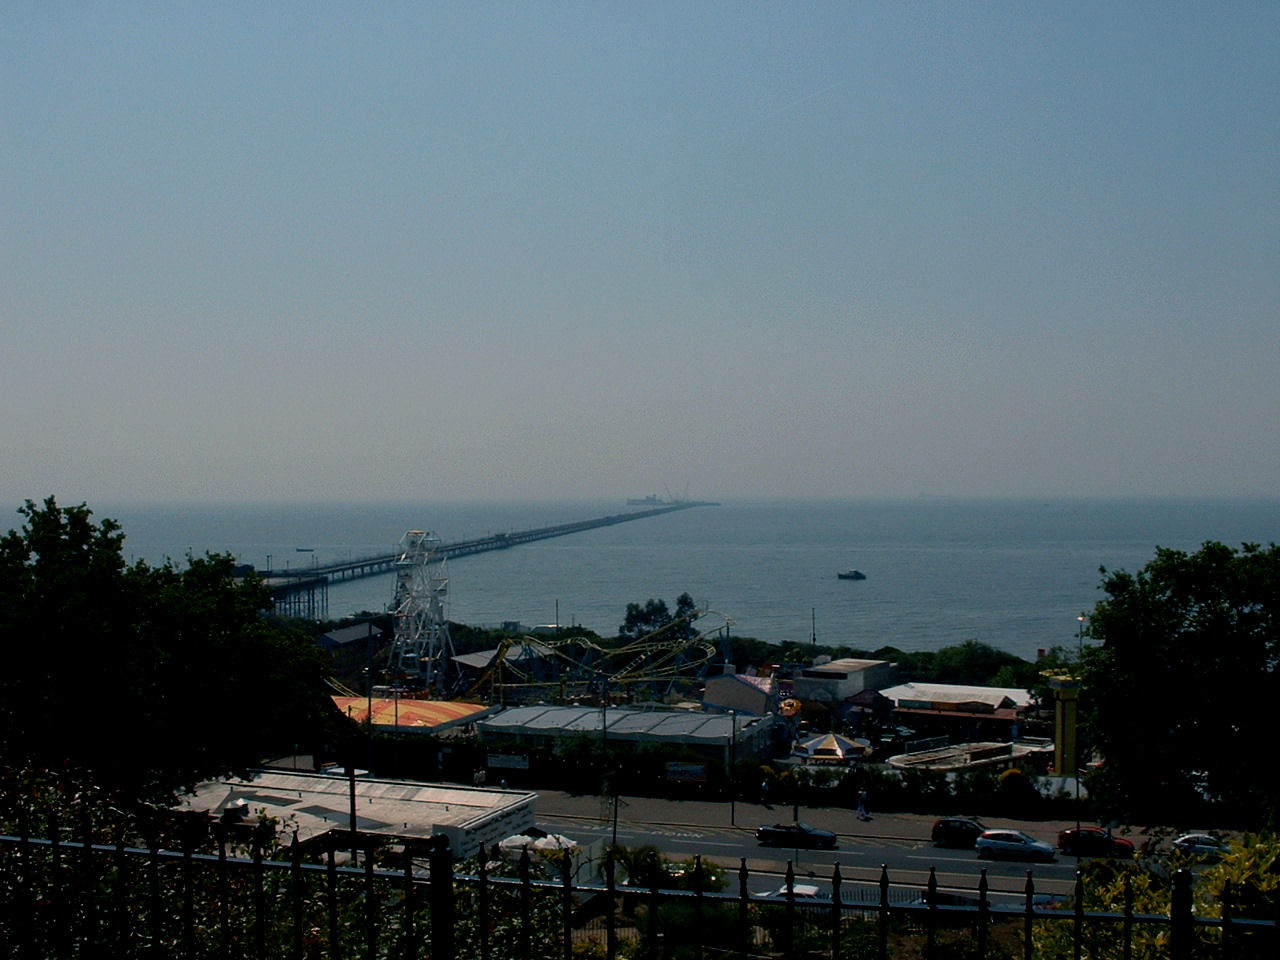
pixel 796 835
pixel 1012 845
pixel 801 891
pixel 1094 842
pixel 957 832
pixel 1202 846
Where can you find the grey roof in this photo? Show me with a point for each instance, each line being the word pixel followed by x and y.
pixel 353 634
pixel 517 654
pixel 623 722
pixel 318 803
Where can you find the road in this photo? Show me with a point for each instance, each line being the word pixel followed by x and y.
pixel 898 842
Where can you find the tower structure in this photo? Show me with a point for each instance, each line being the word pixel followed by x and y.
pixel 421 649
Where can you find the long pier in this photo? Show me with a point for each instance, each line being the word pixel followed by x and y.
pixel 306 593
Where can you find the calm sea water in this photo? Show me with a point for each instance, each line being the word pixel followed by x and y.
pixel 1015 575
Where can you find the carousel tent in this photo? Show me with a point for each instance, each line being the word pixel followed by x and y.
pixel 831 748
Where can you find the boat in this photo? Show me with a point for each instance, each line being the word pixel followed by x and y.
pixel 851 575
pixel 652 500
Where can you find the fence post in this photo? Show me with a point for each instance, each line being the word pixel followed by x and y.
pixel 482 904
pixel 566 903
pixel 610 927
pixel 370 904
pixel 1077 924
pixel 224 891
pixel 655 936
pixel 789 946
pixel 744 900
pixel 117 912
pixel 837 906
pixel 1028 915
pixel 697 906
pixel 1180 930
pixel 88 884
pixel 931 918
pixel 526 911
pixel 410 931
pixel 153 888
pixel 984 913
pixel 57 924
pixel 882 915
pixel 259 898
pixel 331 895
pixel 1226 920
pixel 443 916
pixel 188 895
pixel 295 893
pixel 27 885
pixel 1128 917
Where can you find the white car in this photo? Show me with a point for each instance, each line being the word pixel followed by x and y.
pixel 1012 845
pixel 801 891
pixel 1202 846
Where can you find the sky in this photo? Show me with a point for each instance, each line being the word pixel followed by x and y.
pixel 397 251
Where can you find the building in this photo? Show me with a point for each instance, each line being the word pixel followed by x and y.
pixel 838 680
pixel 715 736
pixel 398 810
pixel 744 694
pixel 959 712
pixel 352 648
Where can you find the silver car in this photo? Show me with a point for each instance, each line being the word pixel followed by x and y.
pixel 1012 845
pixel 1202 846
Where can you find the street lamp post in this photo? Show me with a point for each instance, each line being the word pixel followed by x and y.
pixel 1076 740
pixel 733 765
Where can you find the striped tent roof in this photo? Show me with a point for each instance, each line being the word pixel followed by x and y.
pixel 422 716
pixel 831 746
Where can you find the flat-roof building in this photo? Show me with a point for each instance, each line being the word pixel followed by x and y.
pixel 400 810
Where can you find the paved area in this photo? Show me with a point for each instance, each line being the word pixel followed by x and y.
pixel 748 816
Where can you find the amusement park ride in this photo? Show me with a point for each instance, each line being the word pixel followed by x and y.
pixel 420 663
pixel 421 648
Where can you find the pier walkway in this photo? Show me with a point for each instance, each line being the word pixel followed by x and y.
pixel 304 593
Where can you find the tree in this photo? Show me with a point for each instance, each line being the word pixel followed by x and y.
pixel 1183 683
pixel 643 620
pixel 150 678
pixel 684 616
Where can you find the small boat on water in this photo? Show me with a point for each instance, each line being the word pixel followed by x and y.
pixel 851 575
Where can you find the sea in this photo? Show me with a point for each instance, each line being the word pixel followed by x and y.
pixel 1016 575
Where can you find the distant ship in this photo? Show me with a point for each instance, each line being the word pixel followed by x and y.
pixel 652 500
pixel 851 575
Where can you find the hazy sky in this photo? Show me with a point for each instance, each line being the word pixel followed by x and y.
pixel 273 251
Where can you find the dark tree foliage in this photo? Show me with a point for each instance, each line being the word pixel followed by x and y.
pixel 149 677
pixel 1179 695
pixel 684 627
pixel 644 619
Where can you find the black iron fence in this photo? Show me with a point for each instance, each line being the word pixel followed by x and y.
pixel 199 893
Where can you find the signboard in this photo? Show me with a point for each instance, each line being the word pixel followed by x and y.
pixel 687 772
pixel 505 761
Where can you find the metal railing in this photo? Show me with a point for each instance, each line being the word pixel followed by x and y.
pixel 218 894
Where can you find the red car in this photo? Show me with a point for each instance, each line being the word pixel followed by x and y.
pixel 1094 842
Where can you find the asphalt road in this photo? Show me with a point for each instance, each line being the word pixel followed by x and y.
pixel 898 842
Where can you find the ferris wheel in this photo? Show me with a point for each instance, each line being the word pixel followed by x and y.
pixel 421 648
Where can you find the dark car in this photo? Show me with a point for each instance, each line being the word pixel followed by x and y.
pixel 957 832
pixel 795 835
pixel 1094 842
